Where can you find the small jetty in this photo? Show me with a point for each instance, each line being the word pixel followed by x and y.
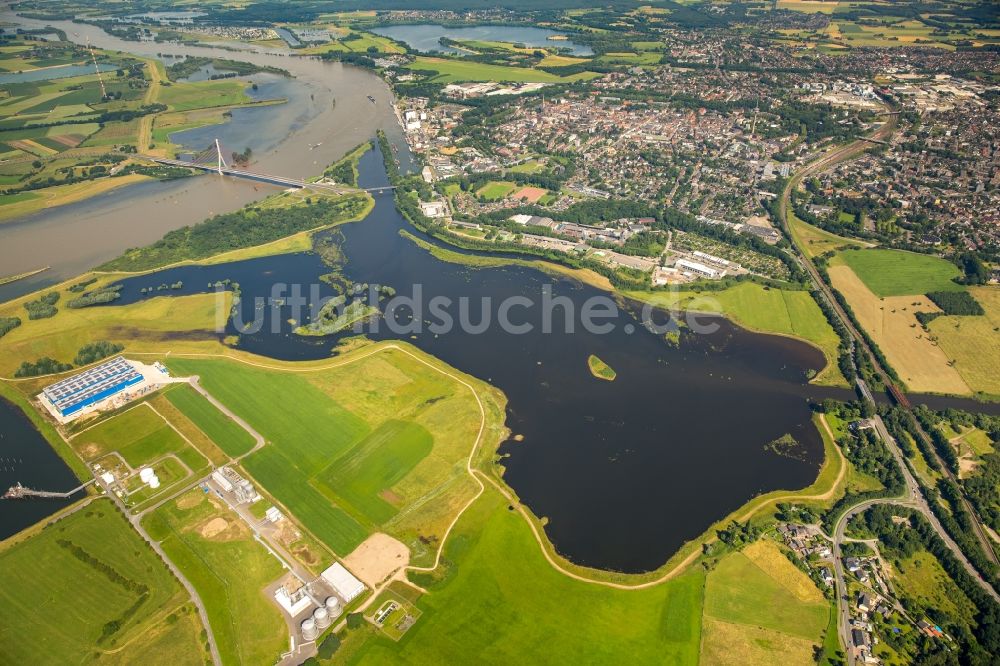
pixel 22 276
pixel 18 491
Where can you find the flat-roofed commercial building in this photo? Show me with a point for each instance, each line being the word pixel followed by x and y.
pixel 343 582
pixel 91 386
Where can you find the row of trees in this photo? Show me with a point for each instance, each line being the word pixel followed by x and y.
pixel 866 451
pixel 252 225
pixel 8 324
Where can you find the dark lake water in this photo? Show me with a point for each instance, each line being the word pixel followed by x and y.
pixel 424 37
pixel 625 471
pixel 26 457
pixel 49 73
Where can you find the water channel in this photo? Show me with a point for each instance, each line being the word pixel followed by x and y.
pixel 624 471
pixel 328 113
pixel 425 37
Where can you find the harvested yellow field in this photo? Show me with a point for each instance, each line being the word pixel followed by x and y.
pixel 891 322
pixel 766 555
pixel 809 6
pixel 729 643
pixel 974 342
pixel 560 61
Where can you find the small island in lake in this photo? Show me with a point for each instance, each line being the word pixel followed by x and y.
pixel 600 369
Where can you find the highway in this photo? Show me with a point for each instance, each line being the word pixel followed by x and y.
pixel 912 496
pixel 823 163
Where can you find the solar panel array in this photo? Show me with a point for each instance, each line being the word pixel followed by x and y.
pixel 78 391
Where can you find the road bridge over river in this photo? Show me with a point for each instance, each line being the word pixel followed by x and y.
pixel 212 160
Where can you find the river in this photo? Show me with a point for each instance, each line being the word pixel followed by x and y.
pixel 26 458
pixel 328 113
pixel 625 471
pixel 425 37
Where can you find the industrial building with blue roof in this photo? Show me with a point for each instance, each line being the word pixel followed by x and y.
pixel 91 386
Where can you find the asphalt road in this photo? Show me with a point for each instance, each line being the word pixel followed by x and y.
pixel 136 522
pixel 912 496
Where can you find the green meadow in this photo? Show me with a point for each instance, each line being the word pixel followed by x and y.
pixel 372 441
pixel 181 96
pixel 216 551
pixel 82 590
pixel 140 435
pixel 376 463
pixel 222 430
pixel 899 273
pixel 328 522
pixel 501 601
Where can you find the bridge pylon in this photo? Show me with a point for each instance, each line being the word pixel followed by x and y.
pixel 222 160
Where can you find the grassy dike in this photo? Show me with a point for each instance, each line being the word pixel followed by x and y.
pixel 491 553
pixel 825 490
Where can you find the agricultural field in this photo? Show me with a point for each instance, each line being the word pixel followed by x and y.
pixel 216 551
pixel 759 308
pixel 891 322
pixel 140 435
pixel 500 600
pixel 185 426
pixel 815 241
pixel 453 70
pixel 899 273
pixel 84 589
pixel 222 430
pixel 759 608
pixel 553 60
pixel 393 432
pixel 973 342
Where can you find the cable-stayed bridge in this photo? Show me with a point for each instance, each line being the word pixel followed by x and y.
pixel 213 159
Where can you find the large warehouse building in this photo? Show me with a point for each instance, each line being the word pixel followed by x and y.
pixel 102 381
pixel 343 582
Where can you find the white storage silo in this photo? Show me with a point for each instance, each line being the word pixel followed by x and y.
pixel 333 607
pixel 321 617
pixel 309 632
